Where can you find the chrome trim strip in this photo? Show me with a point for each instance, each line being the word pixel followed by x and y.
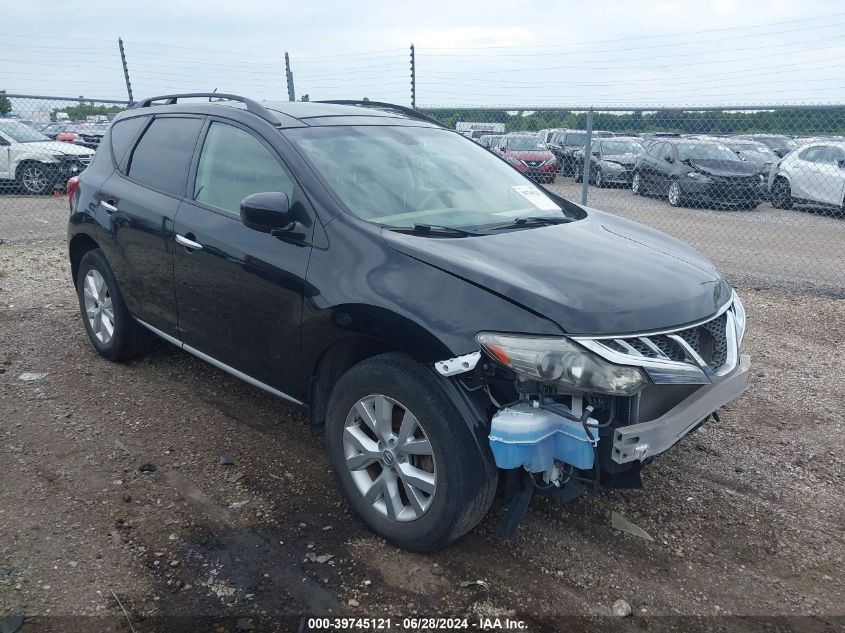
pixel 689 352
pixel 650 344
pixel 621 342
pixel 663 367
pixel 721 311
pixel 184 241
pixel 229 370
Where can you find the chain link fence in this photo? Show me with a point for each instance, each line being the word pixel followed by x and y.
pixel 759 189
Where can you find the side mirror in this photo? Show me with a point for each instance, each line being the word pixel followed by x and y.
pixel 3 141
pixel 841 163
pixel 595 153
pixel 266 211
pixel 668 159
pixel 501 148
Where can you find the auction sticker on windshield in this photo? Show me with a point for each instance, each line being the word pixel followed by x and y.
pixel 536 197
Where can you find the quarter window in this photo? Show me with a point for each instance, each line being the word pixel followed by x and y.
pixel 833 155
pixel 162 156
pixel 122 134
pixel 813 154
pixel 233 165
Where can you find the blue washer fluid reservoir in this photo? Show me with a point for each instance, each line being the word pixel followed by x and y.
pixel 522 435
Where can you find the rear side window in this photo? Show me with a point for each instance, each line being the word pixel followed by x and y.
pixel 162 156
pixel 813 154
pixel 233 165
pixel 122 134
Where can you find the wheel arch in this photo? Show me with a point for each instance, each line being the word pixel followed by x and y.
pixel 79 244
pixel 337 344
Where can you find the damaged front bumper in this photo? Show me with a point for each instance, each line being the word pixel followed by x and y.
pixel 637 442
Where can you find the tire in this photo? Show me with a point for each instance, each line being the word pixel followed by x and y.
pixel 598 179
pixel 579 174
pixel 101 303
pixel 638 185
pixel 457 473
pixel 34 178
pixel 676 196
pixel 781 194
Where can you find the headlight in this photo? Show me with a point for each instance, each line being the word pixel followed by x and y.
pixel 611 165
pixel 558 360
pixel 739 317
pixel 694 175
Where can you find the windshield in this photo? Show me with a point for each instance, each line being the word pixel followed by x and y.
pixel 756 149
pixel 621 147
pixel 778 142
pixel 21 133
pixel 526 144
pixel 705 151
pixel 575 140
pixel 402 176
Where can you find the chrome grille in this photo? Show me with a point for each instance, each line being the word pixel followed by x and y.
pixel 85 160
pixel 691 355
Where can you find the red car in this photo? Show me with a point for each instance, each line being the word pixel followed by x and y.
pixel 529 155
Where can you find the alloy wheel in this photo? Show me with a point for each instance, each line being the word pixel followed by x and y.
pixel 99 309
pixel 34 179
pixel 675 194
pixel 635 184
pixel 390 458
pixel 599 178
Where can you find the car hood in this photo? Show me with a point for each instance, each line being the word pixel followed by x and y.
pixel 532 155
pixel 627 159
pixel 599 275
pixel 719 167
pixel 52 148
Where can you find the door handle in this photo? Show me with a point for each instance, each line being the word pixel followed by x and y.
pixel 188 243
pixel 108 206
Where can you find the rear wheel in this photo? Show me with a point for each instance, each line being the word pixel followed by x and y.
pixel 781 194
pixel 599 178
pixel 112 330
pixel 406 461
pixel 676 197
pixel 579 174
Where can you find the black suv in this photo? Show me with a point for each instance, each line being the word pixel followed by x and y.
pixel 443 318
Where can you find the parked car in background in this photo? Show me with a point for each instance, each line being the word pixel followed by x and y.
pixel 780 144
pixel 565 143
pixel 35 162
pixel 812 174
pixel 752 152
pixel 490 141
pixel 692 170
pixel 612 161
pixel 85 134
pixel 546 135
pixel 491 330
pixel 529 155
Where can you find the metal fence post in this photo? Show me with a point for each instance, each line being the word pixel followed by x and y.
pixel 125 70
pixel 289 77
pixel 413 80
pixel 585 185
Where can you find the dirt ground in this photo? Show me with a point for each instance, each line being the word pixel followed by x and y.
pixel 747 515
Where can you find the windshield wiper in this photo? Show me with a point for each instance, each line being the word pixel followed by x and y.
pixel 532 221
pixel 433 229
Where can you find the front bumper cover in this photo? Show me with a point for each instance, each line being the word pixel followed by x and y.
pixel 637 442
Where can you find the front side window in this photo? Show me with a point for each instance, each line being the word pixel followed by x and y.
pixel 401 176
pixel 833 155
pixel 162 156
pixel 233 165
pixel 813 154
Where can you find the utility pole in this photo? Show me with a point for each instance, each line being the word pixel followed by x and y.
pixel 125 70
pixel 289 77
pixel 413 80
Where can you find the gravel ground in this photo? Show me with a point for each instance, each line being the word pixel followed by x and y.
pixel 747 514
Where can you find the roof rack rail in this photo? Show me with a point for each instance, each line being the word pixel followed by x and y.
pixel 251 106
pixel 410 112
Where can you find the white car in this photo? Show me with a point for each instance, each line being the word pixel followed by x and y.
pixel 35 162
pixel 813 173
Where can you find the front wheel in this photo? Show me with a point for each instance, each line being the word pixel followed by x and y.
pixel 36 179
pixel 405 459
pixel 781 194
pixel 599 178
pixel 676 198
pixel 579 174
pixel 637 184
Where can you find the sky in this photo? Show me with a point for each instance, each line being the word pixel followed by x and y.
pixel 490 52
